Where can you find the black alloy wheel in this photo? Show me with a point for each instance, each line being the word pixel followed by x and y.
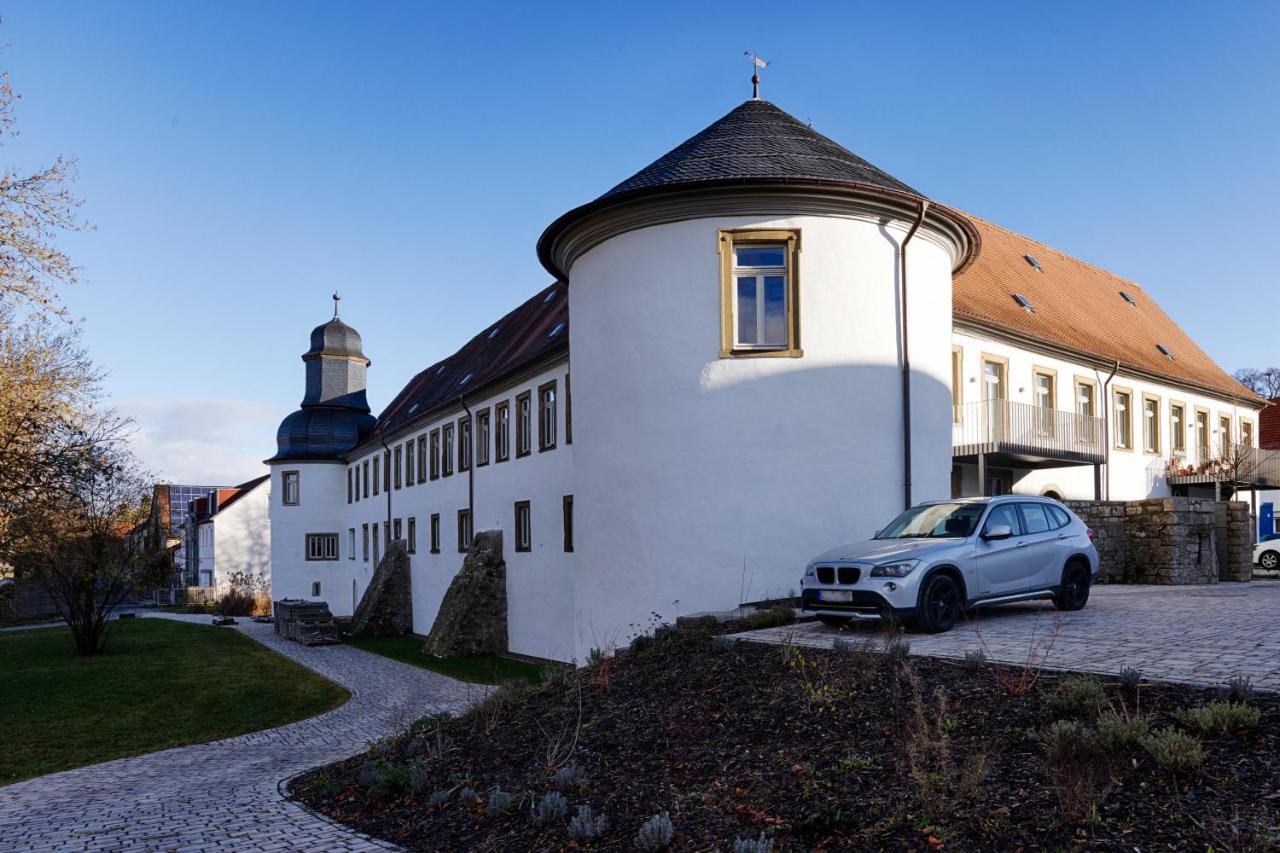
pixel 1074 593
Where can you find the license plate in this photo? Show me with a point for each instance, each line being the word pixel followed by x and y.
pixel 835 596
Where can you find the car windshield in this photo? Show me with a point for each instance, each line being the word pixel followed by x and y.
pixel 934 521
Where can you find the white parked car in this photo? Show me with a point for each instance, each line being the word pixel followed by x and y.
pixel 1266 553
pixel 940 558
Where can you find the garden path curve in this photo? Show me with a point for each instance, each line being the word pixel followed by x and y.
pixel 227 794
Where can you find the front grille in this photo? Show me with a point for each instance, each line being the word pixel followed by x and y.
pixel 838 574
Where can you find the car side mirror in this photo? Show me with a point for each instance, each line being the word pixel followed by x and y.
pixel 876 535
pixel 997 531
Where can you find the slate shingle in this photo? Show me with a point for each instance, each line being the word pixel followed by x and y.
pixel 758 141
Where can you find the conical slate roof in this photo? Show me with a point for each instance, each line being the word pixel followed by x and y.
pixel 756 140
pixel 756 146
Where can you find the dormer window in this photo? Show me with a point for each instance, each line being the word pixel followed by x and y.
pixel 759 293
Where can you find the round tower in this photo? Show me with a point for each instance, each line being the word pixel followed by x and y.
pixel 750 385
pixel 308 471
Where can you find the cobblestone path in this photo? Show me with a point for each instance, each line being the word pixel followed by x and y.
pixel 226 795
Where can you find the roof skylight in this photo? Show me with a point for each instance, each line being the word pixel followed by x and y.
pixel 1165 351
pixel 550 296
pixel 439 370
pixel 1024 302
pixel 1031 259
pixel 464 380
pixel 557 330
pixel 494 333
pixel 1128 297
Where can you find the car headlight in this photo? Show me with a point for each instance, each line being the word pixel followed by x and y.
pixel 900 569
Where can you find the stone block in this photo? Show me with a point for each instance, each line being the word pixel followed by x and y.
pixel 473 614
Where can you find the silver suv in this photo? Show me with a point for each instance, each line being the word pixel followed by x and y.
pixel 939 558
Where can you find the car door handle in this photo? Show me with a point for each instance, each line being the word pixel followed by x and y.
pixel 1022 544
pixel 1062 536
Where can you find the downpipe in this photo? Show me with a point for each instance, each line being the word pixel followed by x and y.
pixel 1105 402
pixel 906 361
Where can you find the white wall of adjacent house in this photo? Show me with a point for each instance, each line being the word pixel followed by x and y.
pixel 205 553
pixel 705 481
pixel 318 511
pixel 1139 464
pixel 540 579
pixel 241 535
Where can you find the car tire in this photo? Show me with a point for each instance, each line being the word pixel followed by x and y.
pixel 940 605
pixel 834 621
pixel 1073 594
pixel 1269 560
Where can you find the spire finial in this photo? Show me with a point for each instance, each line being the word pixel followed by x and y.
pixel 756 64
pixel 336 300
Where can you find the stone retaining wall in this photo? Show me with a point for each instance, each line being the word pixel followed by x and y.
pixel 1170 540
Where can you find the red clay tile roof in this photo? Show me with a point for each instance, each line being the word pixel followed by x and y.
pixel 1078 307
pixel 1269 426
pixel 529 334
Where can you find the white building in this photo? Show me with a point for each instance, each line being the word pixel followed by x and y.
pixel 774 347
pixel 229 533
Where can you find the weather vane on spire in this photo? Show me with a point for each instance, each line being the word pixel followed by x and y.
pixel 756 65
pixel 336 300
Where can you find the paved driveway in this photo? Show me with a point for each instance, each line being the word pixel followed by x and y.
pixel 226 794
pixel 1199 635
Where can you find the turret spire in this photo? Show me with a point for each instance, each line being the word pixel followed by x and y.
pixel 756 64
pixel 336 300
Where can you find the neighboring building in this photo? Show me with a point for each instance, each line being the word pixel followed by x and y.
pixel 229 532
pixel 748 389
pixel 167 523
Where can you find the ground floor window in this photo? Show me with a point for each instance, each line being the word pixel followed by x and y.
pixel 315 589
pixel 351 543
pixel 413 535
pixel 524 536
pixel 364 535
pixel 568 523
pixel 322 546
pixel 464 530
pixel 435 533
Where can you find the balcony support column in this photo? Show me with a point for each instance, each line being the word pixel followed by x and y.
pixel 1097 482
pixel 982 475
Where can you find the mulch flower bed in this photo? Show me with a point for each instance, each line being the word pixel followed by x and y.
pixel 849 749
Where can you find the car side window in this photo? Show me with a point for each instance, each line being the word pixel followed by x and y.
pixel 1059 516
pixel 1004 514
pixel 1036 517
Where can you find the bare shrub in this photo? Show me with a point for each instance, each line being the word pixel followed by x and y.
pixel 1077 767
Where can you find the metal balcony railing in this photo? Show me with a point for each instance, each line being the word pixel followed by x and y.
pixel 1225 462
pixel 1020 429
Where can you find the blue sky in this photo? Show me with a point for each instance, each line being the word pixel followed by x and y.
pixel 241 161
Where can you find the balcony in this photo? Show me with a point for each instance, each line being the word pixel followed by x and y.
pixel 1226 463
pixel 1020 435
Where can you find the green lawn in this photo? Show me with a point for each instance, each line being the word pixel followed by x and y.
pixel 160 684
pixel 484 669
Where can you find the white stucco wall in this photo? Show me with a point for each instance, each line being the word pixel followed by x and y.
pixel 322 489
pixel 705 481
pixel 539 582
pixel 242 538
pixel 1134 473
